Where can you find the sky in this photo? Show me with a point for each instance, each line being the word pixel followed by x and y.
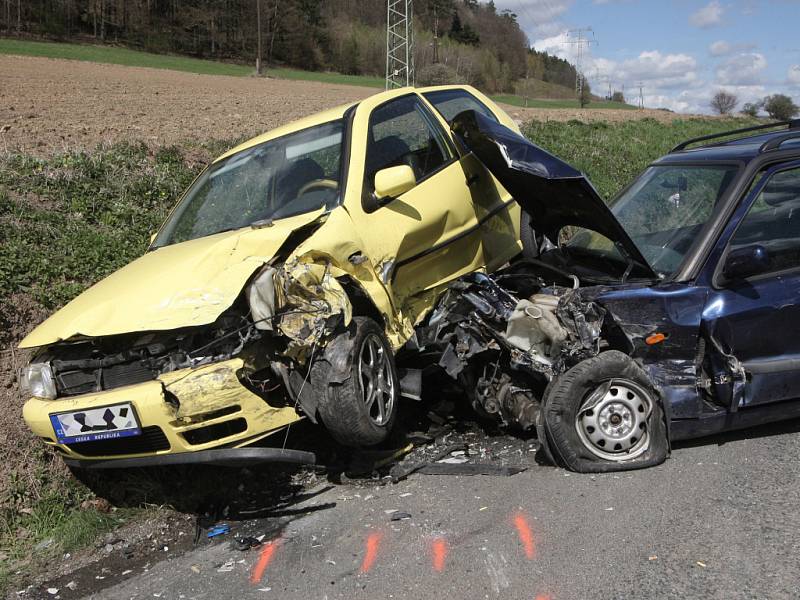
pixel 681 51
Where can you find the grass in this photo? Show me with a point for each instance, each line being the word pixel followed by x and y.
pixel 66 222
pixel 613 154
pixel 134 58
pixel 516 100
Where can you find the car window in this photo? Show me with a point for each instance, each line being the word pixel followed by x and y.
pixel 402 132
pixel 665 209
pixel 287 176
pixel 773 221
pixel 449 103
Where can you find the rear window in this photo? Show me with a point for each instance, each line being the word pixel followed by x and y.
pixel 449 103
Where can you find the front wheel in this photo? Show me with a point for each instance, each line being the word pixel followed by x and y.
pixel 604 415
pixel 361 410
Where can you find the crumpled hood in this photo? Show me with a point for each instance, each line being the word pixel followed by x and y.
pixel 552 192
pixel 181 285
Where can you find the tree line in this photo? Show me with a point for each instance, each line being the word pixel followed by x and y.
pixel 778 106
pixel 455 40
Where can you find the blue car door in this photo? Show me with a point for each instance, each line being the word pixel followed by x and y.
pixel 752 322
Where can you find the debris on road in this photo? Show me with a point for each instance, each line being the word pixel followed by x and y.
pixel 246 543
pixel 469 469
pixel 400 516
pixel 227 566
pixel 218 530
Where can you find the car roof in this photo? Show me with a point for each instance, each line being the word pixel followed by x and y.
pixel 326 116
pixel 739 149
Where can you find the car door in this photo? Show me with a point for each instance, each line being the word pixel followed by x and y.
pixel 427 235
pixel 752 320
pixel 497 213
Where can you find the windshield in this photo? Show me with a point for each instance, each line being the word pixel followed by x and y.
pixel 664 211
pixel 287 176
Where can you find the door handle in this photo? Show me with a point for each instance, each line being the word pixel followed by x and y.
pixel 473 179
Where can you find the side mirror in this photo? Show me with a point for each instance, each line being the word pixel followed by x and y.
pixel 394 181
pixel 745 262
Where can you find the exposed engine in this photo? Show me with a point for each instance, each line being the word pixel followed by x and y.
pixel 504 337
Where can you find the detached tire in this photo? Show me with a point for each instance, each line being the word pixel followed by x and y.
pixel 361 410
pixel 604 415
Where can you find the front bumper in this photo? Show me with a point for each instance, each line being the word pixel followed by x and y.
pixel 182 413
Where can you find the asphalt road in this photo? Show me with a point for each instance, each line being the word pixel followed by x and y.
pixel 718 520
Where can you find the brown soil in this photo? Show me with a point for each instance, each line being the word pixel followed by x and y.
pixel 49 105
pixel 588 115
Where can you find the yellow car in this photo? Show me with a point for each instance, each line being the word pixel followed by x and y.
pixel 279 287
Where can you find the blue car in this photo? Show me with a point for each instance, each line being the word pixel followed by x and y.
pixel 672 313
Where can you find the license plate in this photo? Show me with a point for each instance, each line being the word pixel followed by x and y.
pixel 104 423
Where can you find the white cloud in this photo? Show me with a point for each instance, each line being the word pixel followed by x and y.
pixel 720 48
pixel 793 76
pixel 708 16
pixel 655 70
pixel 742 69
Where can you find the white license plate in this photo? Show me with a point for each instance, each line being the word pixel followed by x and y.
pixel 104 423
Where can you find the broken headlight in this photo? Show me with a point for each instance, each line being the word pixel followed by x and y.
pixel 37 380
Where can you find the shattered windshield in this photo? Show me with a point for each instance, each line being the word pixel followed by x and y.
pixel 287 176
pixel 664 211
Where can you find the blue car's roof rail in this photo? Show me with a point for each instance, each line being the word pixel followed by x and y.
pixel 775 143
pixel 793 124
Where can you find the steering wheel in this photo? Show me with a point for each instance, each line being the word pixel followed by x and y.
pixel 328 184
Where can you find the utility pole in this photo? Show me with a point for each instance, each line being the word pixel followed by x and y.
pixel 258 37
pixel 435 34
pixel 641 95
pixel 580 44
pixel 400 44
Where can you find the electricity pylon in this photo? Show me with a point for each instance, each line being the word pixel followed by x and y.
pixel 399 44
pixel 580 44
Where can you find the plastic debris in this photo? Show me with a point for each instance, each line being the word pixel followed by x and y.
pixel 72 586
pixel 218 530
pixel 227 566
pixel 52 591
pixel 246 543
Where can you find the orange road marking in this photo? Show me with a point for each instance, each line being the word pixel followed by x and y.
pixel 267 553
pixel 439 550
pixel 525 535
pixel 373 542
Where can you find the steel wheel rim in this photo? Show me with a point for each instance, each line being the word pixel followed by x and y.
pixel 376 379
pixel 612 423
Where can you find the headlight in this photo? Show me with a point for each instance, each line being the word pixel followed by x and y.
pixel 37 380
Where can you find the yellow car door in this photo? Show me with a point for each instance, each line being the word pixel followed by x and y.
pixel 422 237
pixel 497 213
